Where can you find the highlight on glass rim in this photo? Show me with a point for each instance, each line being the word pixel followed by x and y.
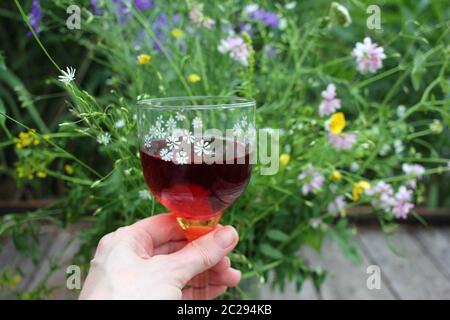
pixel 233 150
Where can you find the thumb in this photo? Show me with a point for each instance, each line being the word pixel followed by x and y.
pixel 205 252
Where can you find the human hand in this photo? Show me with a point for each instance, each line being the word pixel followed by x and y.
pixel 151 259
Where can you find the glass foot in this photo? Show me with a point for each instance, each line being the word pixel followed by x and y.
pixel 195 228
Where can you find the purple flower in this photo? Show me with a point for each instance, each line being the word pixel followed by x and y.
pixel 267 18
pixel 368 56
pixel 415 170
pixel 402 205
pixel 35 16
pixel 143 4
pixel 313 180
pixel 96 9
pixel 342 141
pixel 337 206
pixel 123 15
pixel 236 47
pixel 329 102
pixel 270 51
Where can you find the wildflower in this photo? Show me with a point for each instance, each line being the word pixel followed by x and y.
pixel 196 14
pixel 69 169
pixel 68 75
pixel 402 205
pixel 193 78
pixel 342 141
pixel 401 110
pixel 341 13
pixel 270 50
pixel 119 123
pixel 315 222
pixel 143 58
pixel 436 126
pixel 145 194
pixel 290 5
pixel 354 166
pixel 336 176
pixel 337 123
pixel 380 188
pixel 329 102
pixel 414 169
pixel 359 188
pixel 35 16
pixel 41 174
pixel 96 9
pixel 177 33
pixel 237 49
pixel 285 158
pixel 313 180
pixel 27 139
pixel 267 18
pixel 208 23
pixel 368 56
pixel 337 206
pixel 398 146
pixel 104 138
pixel 15 280
pixel 384 149
pixel 143 4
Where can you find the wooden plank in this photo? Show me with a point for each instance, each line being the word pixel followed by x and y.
pixel 436 244
pixel 308 292
pixel 410 276
pixel 345 279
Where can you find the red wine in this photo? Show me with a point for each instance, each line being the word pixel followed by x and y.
pixel 195 190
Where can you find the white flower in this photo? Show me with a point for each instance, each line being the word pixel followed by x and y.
pixel 119 123
pixel 384 150
pixel 179 116
pixel 104 138
pixel 188 137
pixel 67 76
pixel 342 14
pixel 282 23
pixel 398 146
pixel 197 122
pixel 173 142
pixel 171 124
pixel 354 166
pixel 147 141
pixel 182 157
pixel 401 110
pixel 166 154
pixel 250 8
pixel 145 194
pixel 202 147
pixel 413 169
pixel 237 130
pixel 315 222
pixel 290 5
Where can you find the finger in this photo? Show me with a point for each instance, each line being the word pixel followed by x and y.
pixel 169 247
pixel 223 264
pixel 161 228
pixel 208 293
pixel 229 277
pixel 203 253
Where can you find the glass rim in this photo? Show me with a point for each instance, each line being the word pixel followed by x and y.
pixel 230 102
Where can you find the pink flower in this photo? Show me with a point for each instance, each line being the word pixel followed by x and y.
pixel 337 206
pixel 342 141
pixel 236 47
pixel 313 180
pixel 402 205
pixel 415 170
pixel 196 15
pixel 329 102
pixel 368 56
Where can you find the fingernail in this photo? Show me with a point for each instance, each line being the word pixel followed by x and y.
pixel 225 237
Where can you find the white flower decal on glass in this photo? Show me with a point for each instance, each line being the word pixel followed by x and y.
pixel 244 122
pixel 171 124
pixel 188 137
pixel 173 142
pixel 182 157
pixel 237 130
pixel 166 154
pixel 147 141
pixel 202 147
pixel 179 116
pixel 197 123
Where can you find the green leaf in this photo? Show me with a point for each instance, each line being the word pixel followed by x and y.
pixel 2 111
pixel 418 70
pixel 314 239
pixel 271 252
pixel 277 235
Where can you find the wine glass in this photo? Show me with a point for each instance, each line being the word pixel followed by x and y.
pixel 196 155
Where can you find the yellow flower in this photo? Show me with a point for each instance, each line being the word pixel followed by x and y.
pixel 20 172
pixel 359 188
pixel 41 174
pixel 15 280
pixel 26 139
pixel 46 137
pixel 193 78
pixel 143 58
pixel 284 159
pixel 337 122
pixel 69 169
pixel 336 176
pixel 177 33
